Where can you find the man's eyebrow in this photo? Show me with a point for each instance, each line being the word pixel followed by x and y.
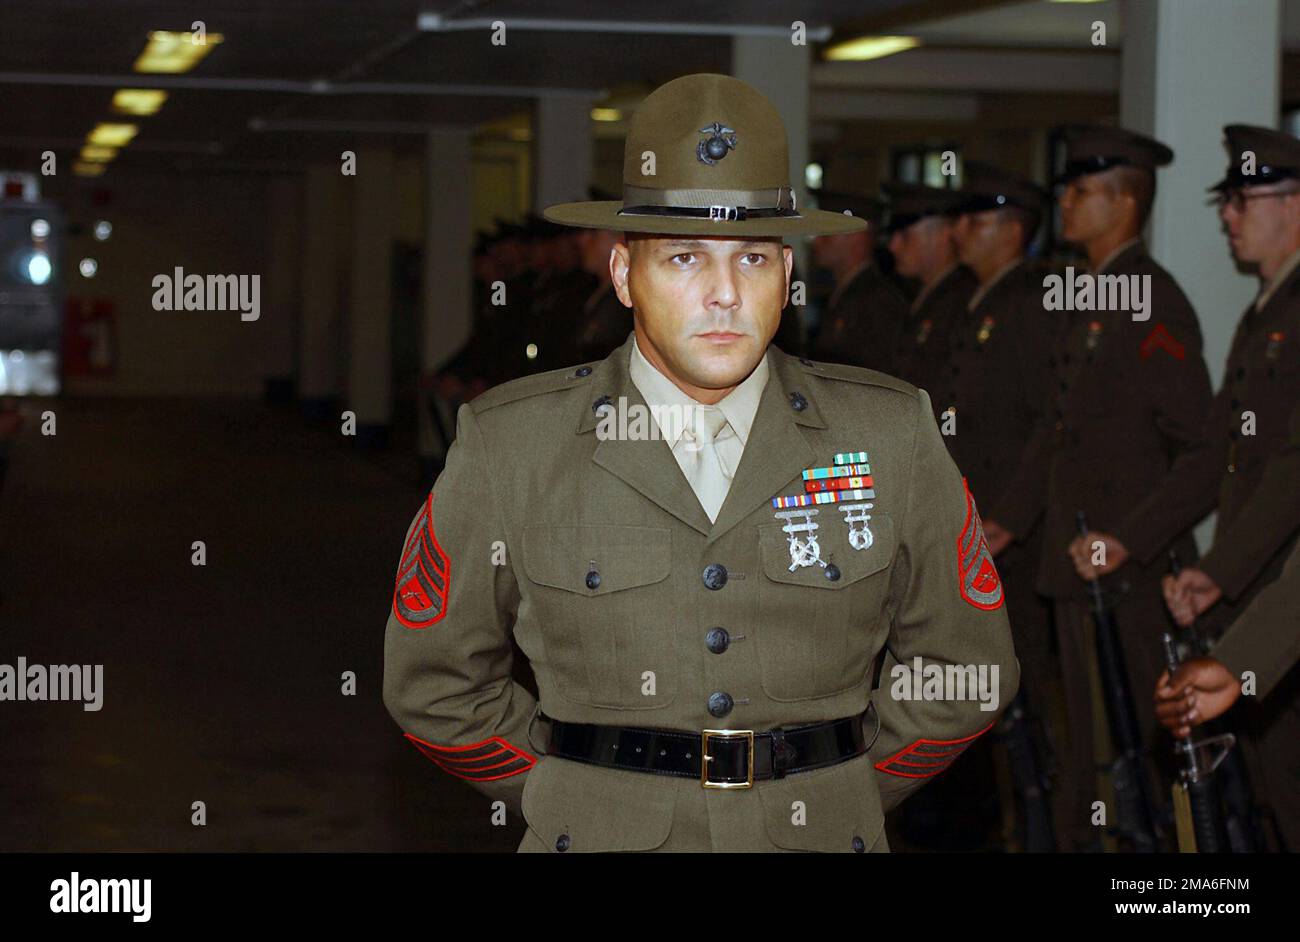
pixel 699 244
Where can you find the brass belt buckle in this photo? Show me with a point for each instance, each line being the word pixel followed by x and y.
pixel 705 758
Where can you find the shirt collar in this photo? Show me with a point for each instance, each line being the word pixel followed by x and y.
pixel 1118 251
pixel 982 291
pixel 1267 291
pixel 740 406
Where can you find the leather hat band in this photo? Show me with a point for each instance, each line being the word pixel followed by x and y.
pixel 722 205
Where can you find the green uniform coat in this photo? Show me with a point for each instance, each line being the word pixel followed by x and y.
pixel 1124 406
pixel 532 500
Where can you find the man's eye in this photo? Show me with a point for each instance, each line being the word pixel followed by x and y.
pixel 754 258
pixel 684 258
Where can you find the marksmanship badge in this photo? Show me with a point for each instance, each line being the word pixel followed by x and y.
pixel 807 551
pixel 860 538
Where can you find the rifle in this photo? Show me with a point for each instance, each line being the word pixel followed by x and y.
pixel 1015 729
pixel 1197 818
pixel 1228 810
pixel 1136 812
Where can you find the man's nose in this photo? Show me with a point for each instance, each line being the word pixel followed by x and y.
pixel 723 289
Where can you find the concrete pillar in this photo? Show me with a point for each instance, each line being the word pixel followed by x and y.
pixel 780 70
pixel 282 288
pixel 561 149
pixel 446 291
pixel 1188 68
pixel 370 359
pixel 318 334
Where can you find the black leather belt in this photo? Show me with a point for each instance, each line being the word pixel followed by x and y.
pixel 730 758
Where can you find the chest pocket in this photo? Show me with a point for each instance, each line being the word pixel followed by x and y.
pixel 598 598
pixel 817 634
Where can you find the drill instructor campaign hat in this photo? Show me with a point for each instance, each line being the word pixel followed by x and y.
pixel 705 155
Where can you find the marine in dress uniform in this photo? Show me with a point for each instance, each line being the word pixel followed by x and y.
pixel 866 311
pixel 1246 462
pixel 994 392
pixel 704 654
pixel 1129 395
pixel 920 228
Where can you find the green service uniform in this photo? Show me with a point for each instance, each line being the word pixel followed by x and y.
pixel 1265 640
pixel 1128 396
pixel 921 346
pixel 997 382
pixel 862 321
pixel 634 610
pixel 1246 464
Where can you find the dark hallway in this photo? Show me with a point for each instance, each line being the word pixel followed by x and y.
pixel 222 683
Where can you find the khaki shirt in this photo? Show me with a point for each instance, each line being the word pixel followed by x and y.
pixel 739 406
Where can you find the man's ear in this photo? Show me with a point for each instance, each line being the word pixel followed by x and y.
pixel 787 256
pixel 620 265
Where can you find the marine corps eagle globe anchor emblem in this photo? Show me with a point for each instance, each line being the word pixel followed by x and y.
pixel 721 140
pixel 807 551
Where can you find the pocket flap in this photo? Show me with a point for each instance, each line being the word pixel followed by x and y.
pixel 832 536
pixel 622 557
pixel 593 809
pixel 839 804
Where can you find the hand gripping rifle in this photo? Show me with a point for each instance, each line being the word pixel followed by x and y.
pixel 1212 796
pixel 1135 812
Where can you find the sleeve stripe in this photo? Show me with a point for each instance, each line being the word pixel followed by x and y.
pixel 914 751
pixel 451 759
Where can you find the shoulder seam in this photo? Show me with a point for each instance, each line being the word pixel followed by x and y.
pixel 860 375
pixel 527 387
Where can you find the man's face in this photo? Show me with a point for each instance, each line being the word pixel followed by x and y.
pixel 982 235
pixel 1091 206
pixel 708 305
pixel 1260 219
pixel 922 247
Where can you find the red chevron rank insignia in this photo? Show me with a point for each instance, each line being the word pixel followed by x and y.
pixel 1161 339
pixel 927 757
pixel 420 596
pixel 977 577
pixel 483 761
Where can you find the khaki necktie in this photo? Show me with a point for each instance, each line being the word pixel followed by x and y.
pixel 708 474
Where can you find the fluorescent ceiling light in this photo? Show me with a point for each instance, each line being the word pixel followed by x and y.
pixel 173 53
pixel 95 153
pixel 870 47
pixel 108 134
pixel 606 114
pixel 138 101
